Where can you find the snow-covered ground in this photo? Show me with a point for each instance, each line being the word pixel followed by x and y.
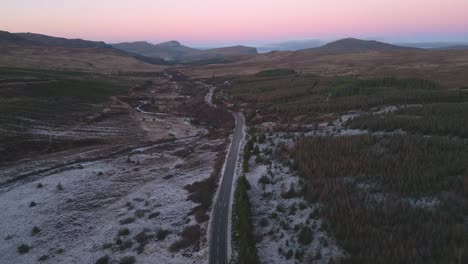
pixel 79 222
pixel 116 200
pixel 278 220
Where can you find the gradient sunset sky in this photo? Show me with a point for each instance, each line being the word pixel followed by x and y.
pixel 215 22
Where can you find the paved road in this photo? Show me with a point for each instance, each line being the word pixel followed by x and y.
pixel 220 222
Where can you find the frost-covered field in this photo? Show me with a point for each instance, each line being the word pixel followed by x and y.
pixel 279 218
pixel 75 216
pixel 117 201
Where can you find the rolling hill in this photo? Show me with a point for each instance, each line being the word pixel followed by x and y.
pixel 174 51
pixel 7 38
pixel 352 45
pixel 45 52
pixel 40 39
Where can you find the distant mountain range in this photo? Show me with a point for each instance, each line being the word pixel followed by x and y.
pixel 442 45
pixel 352 45
pixel 316 43
pixel 174 51
pixel 291 45
pixel 61 42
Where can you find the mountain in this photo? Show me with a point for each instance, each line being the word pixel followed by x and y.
pixel 12 42
pixel 60 53
pixel 171 50
pixel 291 45
pixel 233 50
pixel 434 44
pixel 10 38
pixel 456 47
pixel 61 42
pixel 352 45
pixel 174 51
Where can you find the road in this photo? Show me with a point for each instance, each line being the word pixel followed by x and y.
pixel 220 233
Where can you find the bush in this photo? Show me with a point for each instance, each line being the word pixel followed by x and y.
pixel 35 230
pixel 161 235
pixel 190 235
pixel 23 249
pixel 140 213
pixel 60 186
pixel 127 260
pixel 127 220
pixel 32 204
pixel 291 193
pixel 264 180
pixel 43 258
pixel 202 192
pixel 153 215
pixel 264 222
pixel 123 232
pixel 103 260
pixel 126 244
pixel 305 236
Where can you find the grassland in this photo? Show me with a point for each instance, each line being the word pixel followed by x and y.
pixel 38 107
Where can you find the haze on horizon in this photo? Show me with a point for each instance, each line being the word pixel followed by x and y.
pixel 211 22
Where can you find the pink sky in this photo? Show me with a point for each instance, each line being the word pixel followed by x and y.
pixel 205 22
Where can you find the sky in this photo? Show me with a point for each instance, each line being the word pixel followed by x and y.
pixel 226 22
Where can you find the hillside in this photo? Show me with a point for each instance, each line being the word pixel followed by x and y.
pixel 9 38
pixel 48 52
pixel 352 45
pixel 40 39
pixel 174 51
pixel 233 50
pixel 171 50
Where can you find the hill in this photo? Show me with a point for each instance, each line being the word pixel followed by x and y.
pixel 171 50
pixel 174 51
pixel 40 39
pixel 7 38
pixel 456 47
pixel 352 45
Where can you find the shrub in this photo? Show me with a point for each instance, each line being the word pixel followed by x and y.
pixel 190 235
pixel 264 180
pixel 305 236
pixel 35 230
pixel 291 193
pixel 32 204
pixel 23 249
pixel 43 258
pixel 140 213
pixel 127 220
pixel 60 186
pixel 280 208
pixel 161 235
pixel 103 260
pixel 127 260
pixel 264 222
pixel 39 185
pixel 153 215
pixel 123 232
pixel 126 244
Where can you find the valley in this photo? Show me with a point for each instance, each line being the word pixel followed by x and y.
pixel 352 152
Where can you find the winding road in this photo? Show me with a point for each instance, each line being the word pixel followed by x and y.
pixel 220 232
